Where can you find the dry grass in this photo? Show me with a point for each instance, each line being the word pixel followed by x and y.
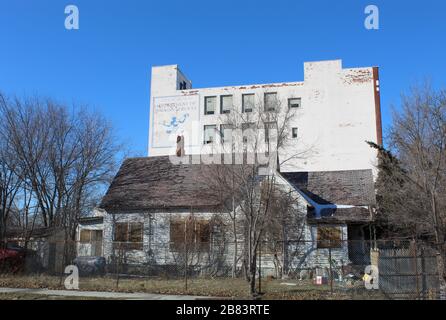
pixel 222 287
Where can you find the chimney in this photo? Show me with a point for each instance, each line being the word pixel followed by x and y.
pixel 180 146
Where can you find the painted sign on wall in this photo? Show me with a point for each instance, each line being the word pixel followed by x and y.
pixel 172 117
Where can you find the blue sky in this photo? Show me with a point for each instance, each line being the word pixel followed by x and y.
pixel 106 64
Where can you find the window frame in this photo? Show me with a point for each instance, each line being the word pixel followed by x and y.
pixel 206 112
pixel 204 133
pixel 222 131
pixel 266 108
pixel 292 132
pixel 194 236
pixel 128 243
pixel 92 235
pixel 244 110
pixel 290 106
pixel 222 111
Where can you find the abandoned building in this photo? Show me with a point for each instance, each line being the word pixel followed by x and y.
pixel 148 207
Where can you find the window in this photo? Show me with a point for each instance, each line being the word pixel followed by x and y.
pixel 129 235
pixel 193 233
pixel 225 104
pixel 329 237
pixel 209 105
pixel 247 102
pixel 223 128
pixel 89 236
pixel 294 133
pixel 85 236
pixel 209 134
pixel 270 101
pixel 294 103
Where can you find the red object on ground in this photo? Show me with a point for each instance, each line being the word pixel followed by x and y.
pixel 11 260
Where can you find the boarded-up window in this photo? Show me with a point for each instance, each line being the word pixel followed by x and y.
pixel 90 236
pixel 85 236
pixel 129 235
pixel 329 237
pixel 193 233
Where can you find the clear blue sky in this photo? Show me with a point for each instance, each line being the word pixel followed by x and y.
pixel 106 64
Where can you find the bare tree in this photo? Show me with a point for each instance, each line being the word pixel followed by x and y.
pixel 64 157
pixel 412 181
pixel 254 136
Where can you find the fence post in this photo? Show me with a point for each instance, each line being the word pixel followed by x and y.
pixel 260 266
pixel 416 267
pixel 329 263
pixel 118 258
pixel 185 254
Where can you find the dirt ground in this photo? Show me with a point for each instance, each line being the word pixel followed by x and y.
pixel 222 287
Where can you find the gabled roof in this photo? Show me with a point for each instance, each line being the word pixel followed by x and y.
pixel 336 196
pixel 153 183
pixel 349 187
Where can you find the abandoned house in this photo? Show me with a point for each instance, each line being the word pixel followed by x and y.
pixel 154 207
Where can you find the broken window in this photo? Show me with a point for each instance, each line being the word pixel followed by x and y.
pixel 294 103
pixel 129 235
pixel 247 102
pixel 210 104
pixel 329 237
pixel 225 104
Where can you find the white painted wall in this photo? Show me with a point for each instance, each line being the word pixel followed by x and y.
pixel 336 118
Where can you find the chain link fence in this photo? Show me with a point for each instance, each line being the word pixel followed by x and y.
pixel 383 269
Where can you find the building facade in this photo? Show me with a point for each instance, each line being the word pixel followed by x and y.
pixel 336 111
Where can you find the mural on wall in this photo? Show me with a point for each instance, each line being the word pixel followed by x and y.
pixel 173 117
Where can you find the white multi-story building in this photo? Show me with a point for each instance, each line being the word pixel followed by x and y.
pixel 336 111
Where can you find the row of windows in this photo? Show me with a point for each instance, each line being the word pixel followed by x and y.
pixel 248 100
pixel 210 132
pixel 129 235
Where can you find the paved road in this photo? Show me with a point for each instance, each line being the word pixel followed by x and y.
pixel 103 295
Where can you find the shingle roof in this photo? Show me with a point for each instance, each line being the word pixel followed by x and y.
pixel 156 183
pixel 341 215
pixel 350 187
